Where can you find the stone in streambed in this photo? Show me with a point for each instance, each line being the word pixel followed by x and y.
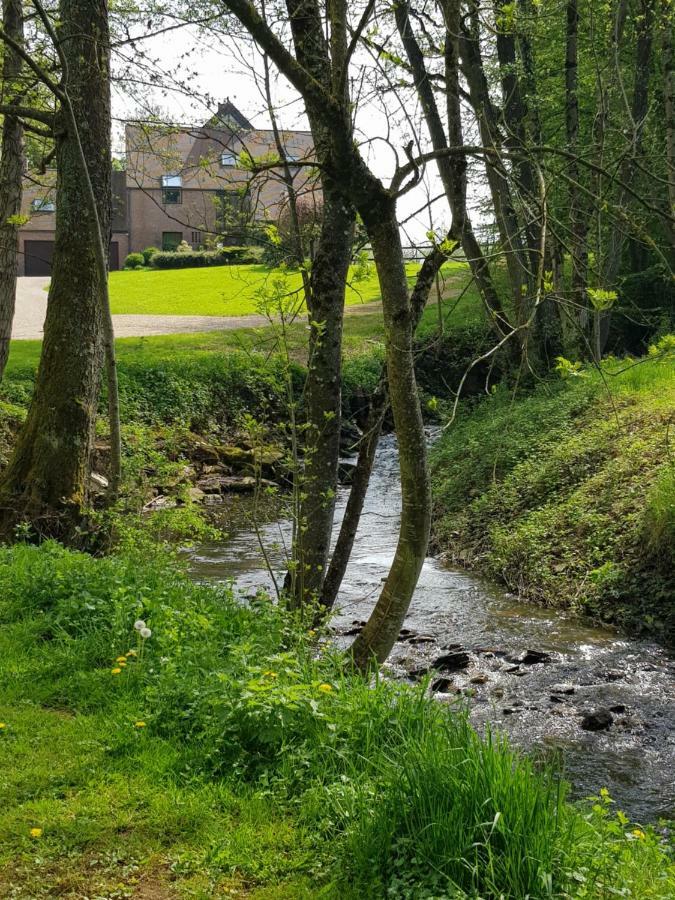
pixel 598 720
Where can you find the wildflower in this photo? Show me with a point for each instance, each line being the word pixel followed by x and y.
pixel 639 834
pixel 139 724
pixel 325 688
pixel 145 632
pixel 139 624
pixel 2 725
pixel 270 675
pixel 115 671
pixel 121 659
pixel 131 653
pixel 311 633
pixel 36 832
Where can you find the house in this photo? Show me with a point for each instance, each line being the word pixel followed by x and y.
pixel 192 184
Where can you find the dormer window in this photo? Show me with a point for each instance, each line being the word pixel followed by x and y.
pixel 42 205
pixel 171 189
pixel 228 159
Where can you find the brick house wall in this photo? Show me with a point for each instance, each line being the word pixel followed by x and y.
pixel 213 200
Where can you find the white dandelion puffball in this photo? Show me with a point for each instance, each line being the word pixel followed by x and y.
pixel 145 632
pixel 139 624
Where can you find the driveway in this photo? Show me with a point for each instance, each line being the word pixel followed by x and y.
pixel 31 309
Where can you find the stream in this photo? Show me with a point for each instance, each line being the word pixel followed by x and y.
pixel 529 672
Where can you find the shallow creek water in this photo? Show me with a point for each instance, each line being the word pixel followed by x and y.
pixel 540 705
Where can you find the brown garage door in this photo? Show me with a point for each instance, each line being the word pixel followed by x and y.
pixel 38 257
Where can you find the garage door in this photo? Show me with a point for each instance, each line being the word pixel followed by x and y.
pixel 38 257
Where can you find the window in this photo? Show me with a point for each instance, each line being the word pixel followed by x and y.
pixel 40 204
pixel 171 239
pixel 196 239
pixel 228 159
pixel 171 189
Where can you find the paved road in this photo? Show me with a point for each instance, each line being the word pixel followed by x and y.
pixel 31 309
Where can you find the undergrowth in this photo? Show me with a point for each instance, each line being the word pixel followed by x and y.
pixel 165 733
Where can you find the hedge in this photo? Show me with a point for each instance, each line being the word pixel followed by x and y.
pixel 198 258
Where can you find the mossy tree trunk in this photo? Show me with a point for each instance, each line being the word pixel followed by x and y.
pixel 11 171
pixel 46 482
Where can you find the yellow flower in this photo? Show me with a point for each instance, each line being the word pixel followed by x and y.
pixel 311 633
pixel 115 671
pixel 639 834
pixel 121 660
pixel 36 832
pixel 270 675
pixel 2 725
pixel 131 653
pixel 325 688
pixel 139 724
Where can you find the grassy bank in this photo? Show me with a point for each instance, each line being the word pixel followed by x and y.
pixel 568 494
pixel 222 756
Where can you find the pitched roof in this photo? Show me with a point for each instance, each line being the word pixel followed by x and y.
pixel 229 116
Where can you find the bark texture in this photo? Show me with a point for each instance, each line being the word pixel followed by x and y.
pixel 325 300
pixel 11 170
pixel 46 481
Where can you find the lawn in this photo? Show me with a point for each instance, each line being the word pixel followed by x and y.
pixel 362 331
pixel 218 291
pixel 224 290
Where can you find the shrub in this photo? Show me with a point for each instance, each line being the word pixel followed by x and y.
pixel 148 253
pixel 645 310
pixel 134 261
pixel 190 259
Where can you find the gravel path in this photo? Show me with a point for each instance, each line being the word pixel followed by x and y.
pixel 31 309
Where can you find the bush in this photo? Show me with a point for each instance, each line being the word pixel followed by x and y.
pixel 190 259
pixel 134 261
pixel 148 253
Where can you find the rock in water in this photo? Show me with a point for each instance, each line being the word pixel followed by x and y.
pixel 451 662
pixel 598 720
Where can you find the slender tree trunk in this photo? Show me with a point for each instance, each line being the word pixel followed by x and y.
pixel 326 297
pixel 578 247
pixel 452 170
pixel 46 481
pixel 381 631
pixel 637 114
pixel 669 104
pixel 11 171
pixel 323 397
pixel 379 403
pixel 498 180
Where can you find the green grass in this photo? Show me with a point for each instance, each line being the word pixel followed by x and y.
pixel 567 493
pixel 221 290
pixel 262 769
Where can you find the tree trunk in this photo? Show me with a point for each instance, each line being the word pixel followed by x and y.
pixel 669 104
pixel 323 396
pixel 326 297
pixel 46 481
pixel 379 403
pixel 11 171
pixel 498 180
pixel 577 240
pixel 452 169
pixel 381 631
